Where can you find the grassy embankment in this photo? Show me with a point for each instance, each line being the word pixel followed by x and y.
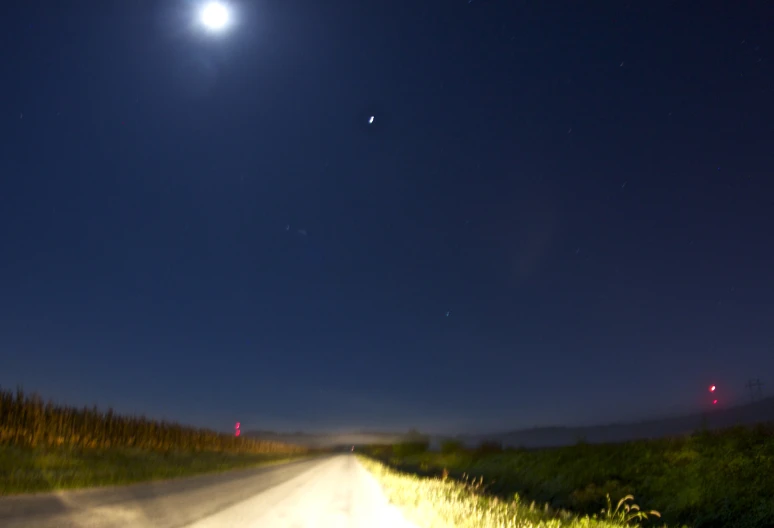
pixel 447 503
pixel 46 447
pixel 706 480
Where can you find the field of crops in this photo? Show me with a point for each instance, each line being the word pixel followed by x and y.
pixel 707 480
pixel 25 421
pixel 45 447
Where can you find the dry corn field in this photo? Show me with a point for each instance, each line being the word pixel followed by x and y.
pixel 26 421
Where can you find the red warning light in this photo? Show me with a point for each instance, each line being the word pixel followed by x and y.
pixel 714 402
pixel 712 388
pixel 236 429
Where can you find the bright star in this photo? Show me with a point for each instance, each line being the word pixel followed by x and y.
pixel 214 16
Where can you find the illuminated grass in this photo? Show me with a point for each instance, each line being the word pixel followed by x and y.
pixel 444 503
pixel 24 470
pixel 710 479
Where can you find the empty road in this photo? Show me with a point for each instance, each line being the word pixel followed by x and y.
pixel 326 492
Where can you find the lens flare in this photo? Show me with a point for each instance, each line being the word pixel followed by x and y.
pixel 214 16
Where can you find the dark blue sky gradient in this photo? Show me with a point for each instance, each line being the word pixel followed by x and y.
pixel 206 227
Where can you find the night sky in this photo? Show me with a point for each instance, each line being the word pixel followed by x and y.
pixel 560 214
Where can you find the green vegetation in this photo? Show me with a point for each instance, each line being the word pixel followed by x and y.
pixel 445 503
pixel 46 446
pixel 26 470
pixel 710 479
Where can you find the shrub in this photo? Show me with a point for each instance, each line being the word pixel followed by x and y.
pixel 449 447
pixel 405 449
pixel 489 448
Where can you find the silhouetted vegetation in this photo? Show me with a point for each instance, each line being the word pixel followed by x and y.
pixel 405 449
pixel 489 448
pixel 710 479
pixel 451 446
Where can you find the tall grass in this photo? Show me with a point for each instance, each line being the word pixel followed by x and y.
pixel 445 503
pixel 713 479
pixel 27 422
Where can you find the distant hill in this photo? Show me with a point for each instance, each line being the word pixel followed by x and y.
pixel 761 411
pixel 324 440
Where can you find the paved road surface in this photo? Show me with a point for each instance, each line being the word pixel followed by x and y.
pixel 332 492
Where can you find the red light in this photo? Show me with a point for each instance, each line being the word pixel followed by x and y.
pixel 712 388
pixel 714 402
pixel 237 425
pixel 237 431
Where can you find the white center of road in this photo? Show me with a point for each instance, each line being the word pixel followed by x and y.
pixel 338 493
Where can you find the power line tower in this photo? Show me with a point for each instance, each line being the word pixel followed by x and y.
pixel 754 386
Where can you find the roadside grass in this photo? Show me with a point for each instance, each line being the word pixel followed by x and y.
pixel 46 447
pixel 711 479
pixel 29 470
pixel 445 503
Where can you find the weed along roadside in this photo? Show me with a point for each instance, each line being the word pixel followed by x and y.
pixel 709 479
pixel 446 502
pixel 45 447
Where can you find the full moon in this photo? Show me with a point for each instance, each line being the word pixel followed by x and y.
pixel 214 16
